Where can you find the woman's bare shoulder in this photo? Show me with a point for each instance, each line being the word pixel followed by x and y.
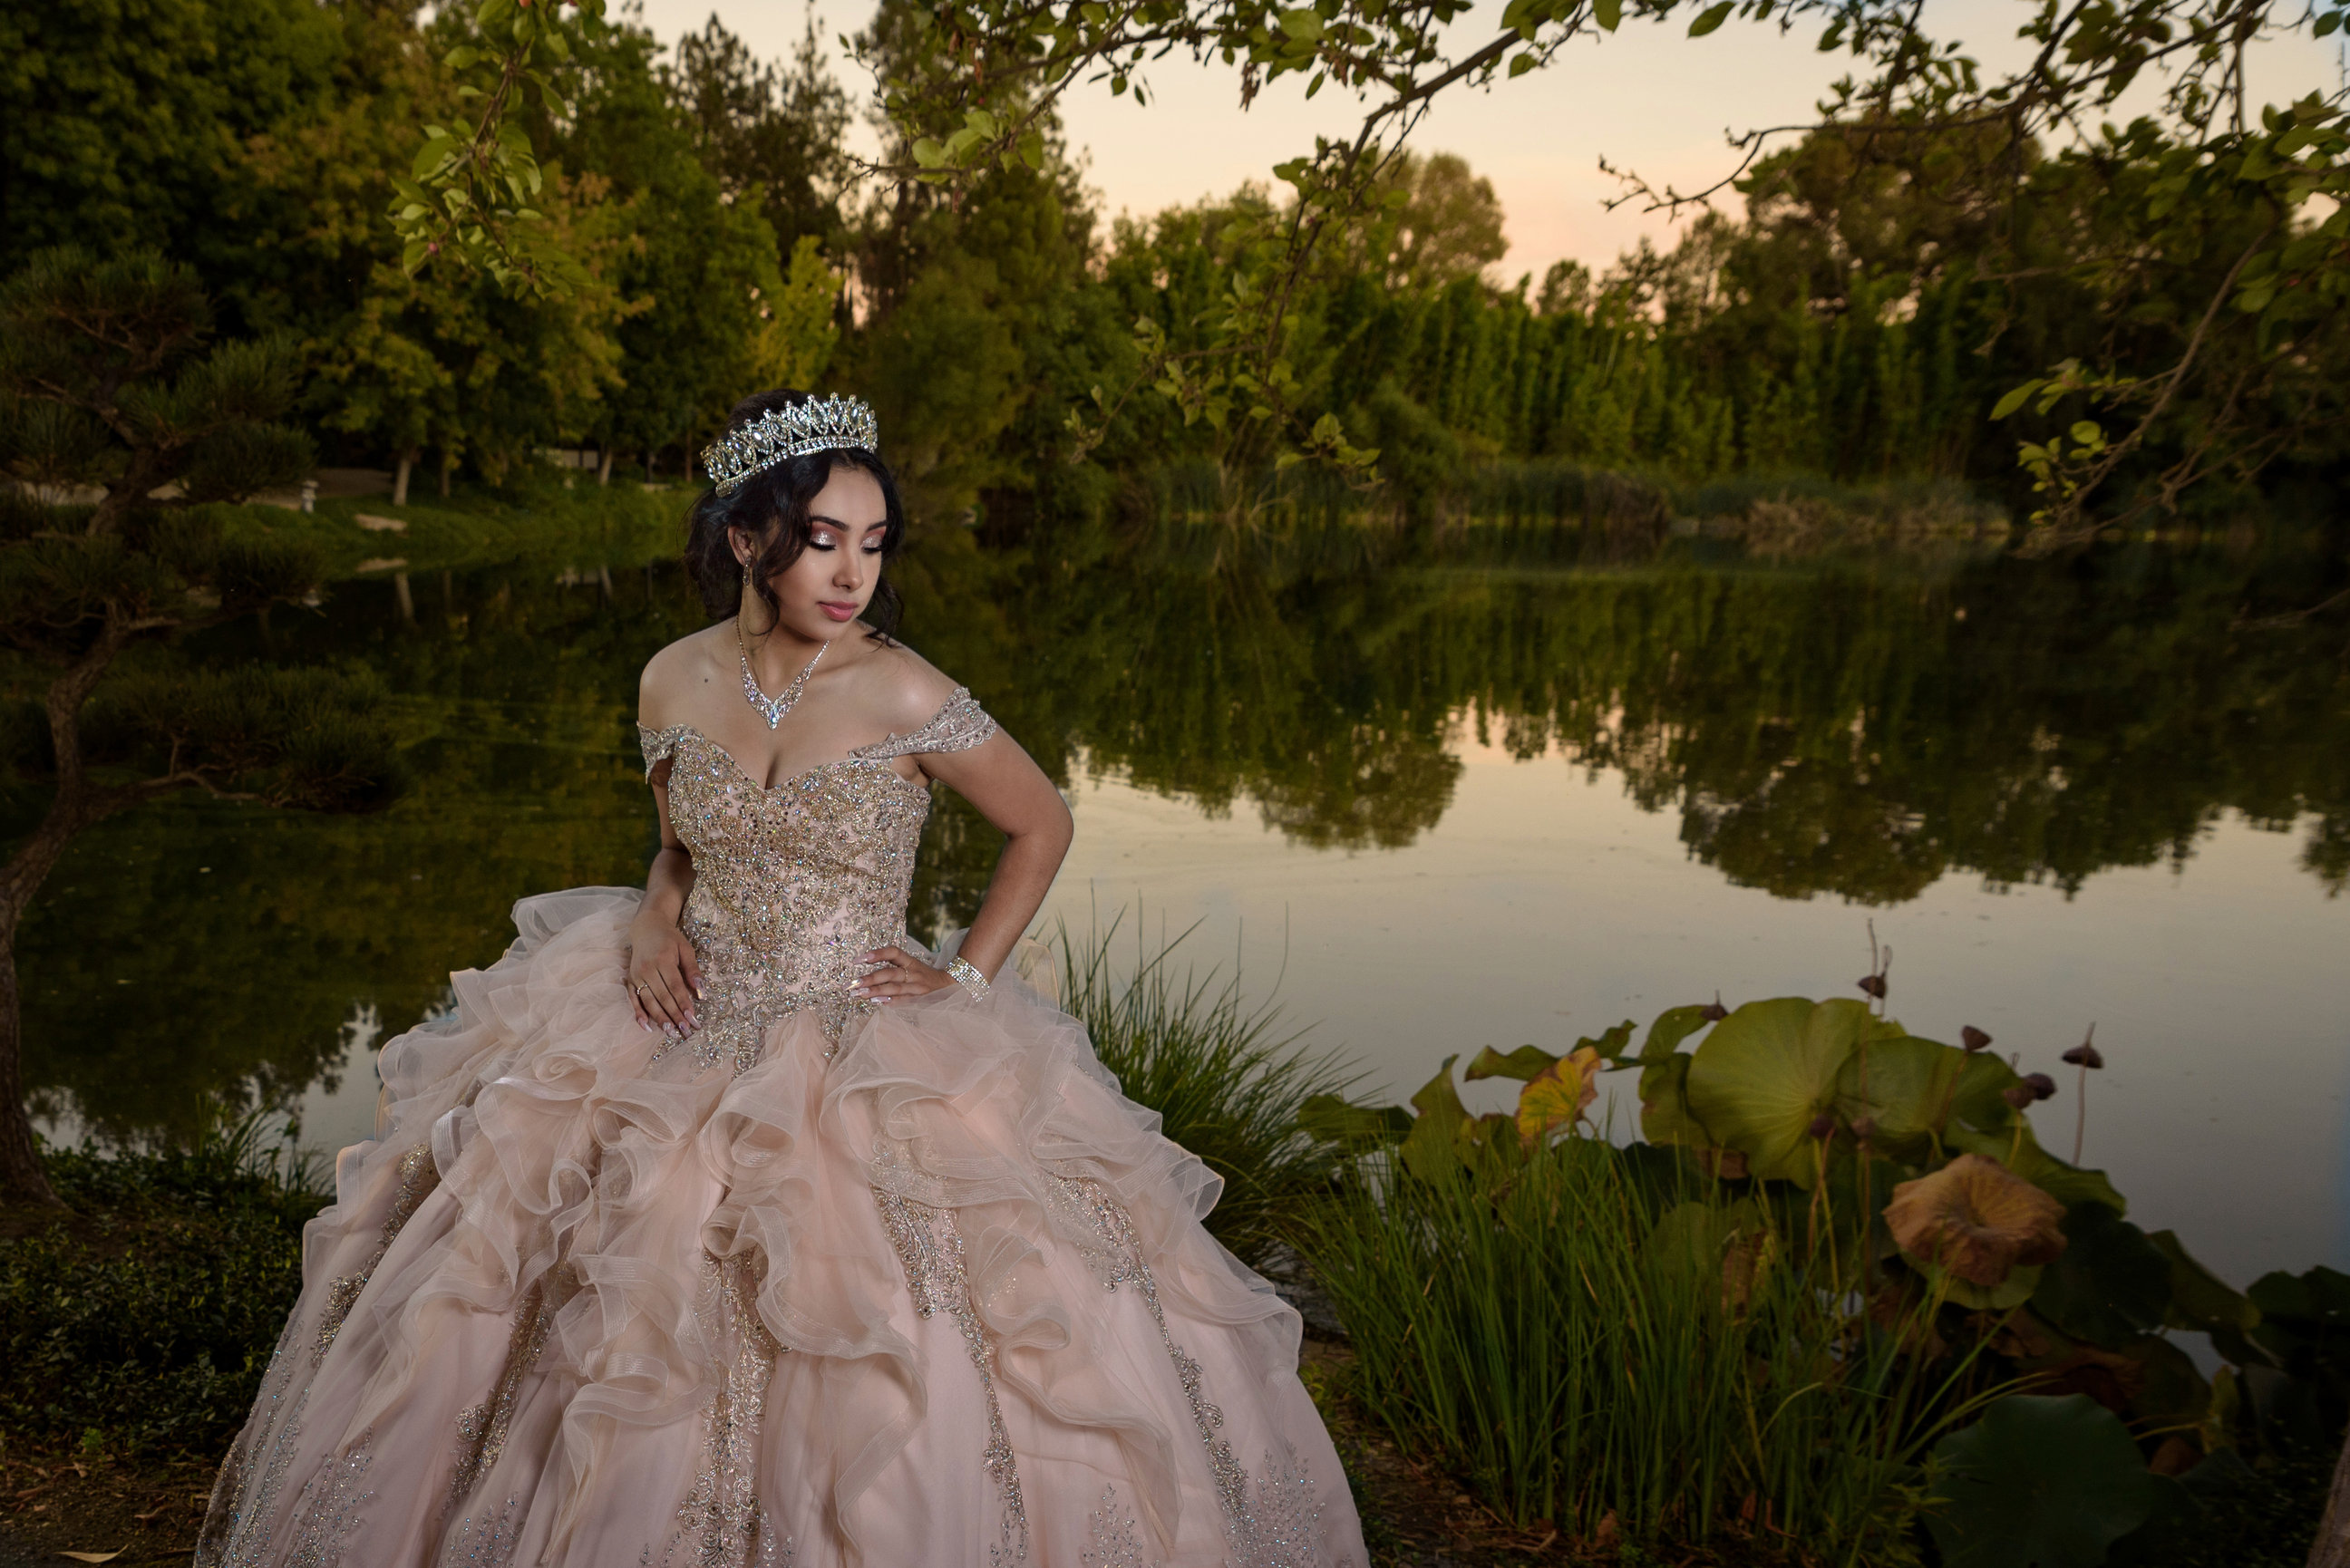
pixel 903 689
pixel 673 675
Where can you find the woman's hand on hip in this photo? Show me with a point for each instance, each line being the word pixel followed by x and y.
pixel 901 976
pixel 664 981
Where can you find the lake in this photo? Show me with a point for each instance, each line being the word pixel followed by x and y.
pixel 1510 788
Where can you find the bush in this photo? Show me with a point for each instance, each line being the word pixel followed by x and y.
pixel 148 1316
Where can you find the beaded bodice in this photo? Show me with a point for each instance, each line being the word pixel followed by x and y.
pixel 791 883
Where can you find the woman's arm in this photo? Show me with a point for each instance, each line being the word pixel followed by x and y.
pixel 1012 792
pixel 664 981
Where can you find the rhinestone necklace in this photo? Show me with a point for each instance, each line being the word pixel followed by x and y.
pixel 772 708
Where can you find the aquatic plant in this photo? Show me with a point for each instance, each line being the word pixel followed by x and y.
pixel 1840 1282
pixel 1228 1081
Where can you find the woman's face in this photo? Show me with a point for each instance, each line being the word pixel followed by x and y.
pixel 831 583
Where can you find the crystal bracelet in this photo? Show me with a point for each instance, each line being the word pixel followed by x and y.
pixel 966 975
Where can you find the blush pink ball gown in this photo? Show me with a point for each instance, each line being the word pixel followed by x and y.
pixel 824 1283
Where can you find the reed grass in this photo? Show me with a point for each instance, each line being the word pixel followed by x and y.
pixel 1227 1079
pixel 1550 1340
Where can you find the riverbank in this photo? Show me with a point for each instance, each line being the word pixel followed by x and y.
pixel 626 524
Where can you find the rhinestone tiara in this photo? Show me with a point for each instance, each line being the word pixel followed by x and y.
pixel 819 424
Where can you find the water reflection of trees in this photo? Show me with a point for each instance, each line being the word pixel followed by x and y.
pixel 1856 730
pixel 1860 729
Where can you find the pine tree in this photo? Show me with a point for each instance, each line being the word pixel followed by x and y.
pixel 109 383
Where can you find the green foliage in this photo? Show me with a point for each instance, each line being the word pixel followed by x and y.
pixel 1803 1338
pixel 1604 1333
pixel 148 1314
pixel 2039 1482
pixel 112 353
pixel 1226 1085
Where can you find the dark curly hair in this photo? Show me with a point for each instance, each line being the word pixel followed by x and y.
pixel 773 504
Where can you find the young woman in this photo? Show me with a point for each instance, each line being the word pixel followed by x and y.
pixel 721 1223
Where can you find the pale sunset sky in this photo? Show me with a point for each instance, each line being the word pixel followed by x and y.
pixel 1648 97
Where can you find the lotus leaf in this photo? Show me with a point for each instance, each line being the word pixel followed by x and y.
pixel 1976 1219
pixel 1525 1062
pixel 1768 1069
pixel 1334 1119
pixel 1672 1026
pixel 2171 1391
pixel 2038 1482
pixel 1428 1150
pixel 1980 1099
pixel 1612 1044
pixel 1557 1096
pixel 2305 1326
pixel 2111 1284
pixel 1665 1115
pixel 2019 1151
pixel 2005 1296
pixel 2199 1299
pixel 1696 1243
pixel 1904 1088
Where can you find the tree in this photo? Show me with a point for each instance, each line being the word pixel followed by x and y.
pixel 107 381
pixel 773 139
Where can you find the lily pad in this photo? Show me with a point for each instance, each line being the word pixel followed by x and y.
pixel 2038 1482
pixel 1768 1069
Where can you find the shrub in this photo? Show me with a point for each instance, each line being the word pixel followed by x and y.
pixel 148 1316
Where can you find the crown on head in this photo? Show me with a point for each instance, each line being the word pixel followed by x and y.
pixel 819 424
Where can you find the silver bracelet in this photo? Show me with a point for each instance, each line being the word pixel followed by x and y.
pixel 966 975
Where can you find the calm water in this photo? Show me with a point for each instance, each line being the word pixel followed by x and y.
pixel 1502 796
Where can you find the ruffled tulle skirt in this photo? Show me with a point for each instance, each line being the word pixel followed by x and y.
pixel 930 1293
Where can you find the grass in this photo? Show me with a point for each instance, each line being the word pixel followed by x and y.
pixel 1227 1082
pixel 141 1321
pixel 1597 1343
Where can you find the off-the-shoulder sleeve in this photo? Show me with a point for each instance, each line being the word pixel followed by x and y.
pixel 659 745
pixel 959 726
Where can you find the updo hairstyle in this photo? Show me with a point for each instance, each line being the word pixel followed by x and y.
pixel 771 506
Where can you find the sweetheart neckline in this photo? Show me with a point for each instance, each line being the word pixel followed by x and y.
pixel 747 777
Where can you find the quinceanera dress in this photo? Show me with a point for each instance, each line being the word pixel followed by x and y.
pixel 824 1283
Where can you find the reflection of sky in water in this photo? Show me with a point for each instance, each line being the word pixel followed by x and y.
pixel 1541 907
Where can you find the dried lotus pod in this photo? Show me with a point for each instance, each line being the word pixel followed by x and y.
pixel 1872 985
pixel 2085 1055
pixel 1976 1219
pixel 2018 1095
pixel 2042 1085
pixel 1713 1012
pixel 1822 1126
pixel 1973 1039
